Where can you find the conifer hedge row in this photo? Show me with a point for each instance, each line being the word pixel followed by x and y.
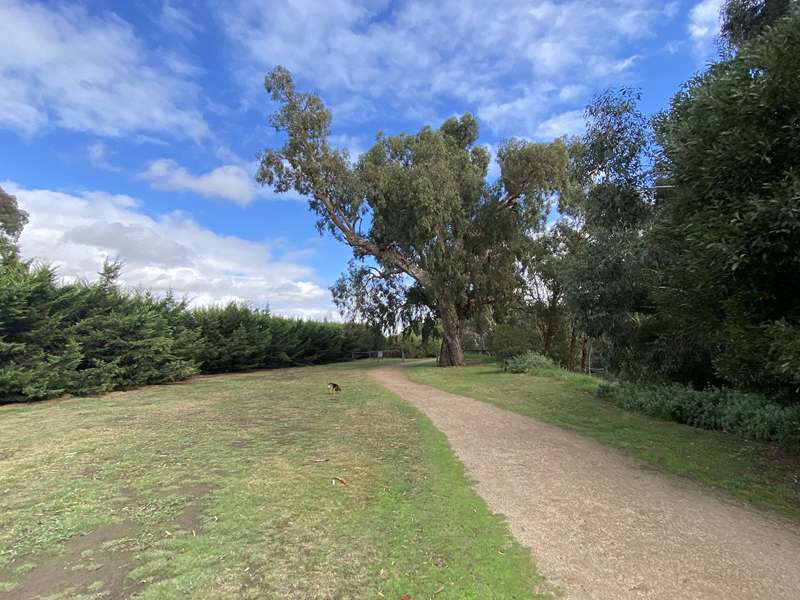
pixel 92 337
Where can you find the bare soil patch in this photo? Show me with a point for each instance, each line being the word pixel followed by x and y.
pixel 98 562
pixel 600 525
pixel 189 518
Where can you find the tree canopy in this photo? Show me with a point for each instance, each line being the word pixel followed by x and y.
pixel 676 255
pixel 608 208
pixel 12 221
pixel 743 20
pixel 729 229
pixel 431 238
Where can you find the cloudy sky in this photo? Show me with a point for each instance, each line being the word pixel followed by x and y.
pixel 129 129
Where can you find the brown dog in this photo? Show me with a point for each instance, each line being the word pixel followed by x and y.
pixel 334 388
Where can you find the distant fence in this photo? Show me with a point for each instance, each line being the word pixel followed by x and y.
pixel 379 354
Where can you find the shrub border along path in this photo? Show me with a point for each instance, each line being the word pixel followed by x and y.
pixel 598 524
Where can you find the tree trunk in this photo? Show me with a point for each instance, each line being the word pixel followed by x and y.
pixel 584 352
pixel 552 322
pixel 572 341
pixel 452 352
pixel 548 339
pixel 589 359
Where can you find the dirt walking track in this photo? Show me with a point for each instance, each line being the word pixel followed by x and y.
pixel 598 524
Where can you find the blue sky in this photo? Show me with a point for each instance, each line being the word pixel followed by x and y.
pixel 130 129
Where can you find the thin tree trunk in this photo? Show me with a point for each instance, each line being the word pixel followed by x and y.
pixel 452 352
pixel 552 322
pixel 584 352
pixel 572 341
pixel 546 337
pixel 589 360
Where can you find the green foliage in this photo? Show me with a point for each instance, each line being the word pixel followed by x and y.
pixel 473 341
pixel 416 346
pixel 743 20
pixel 745 414
pixel 784 352
pixel 442 243
pixel 12 221
pixel 727 233
pixel 528 362
pixel 90 338
pixel 609 207
pixel 508 340
pixel 85 338
pixel 684 268
pixel 544 309
pixel 234 338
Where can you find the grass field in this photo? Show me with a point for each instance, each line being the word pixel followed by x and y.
pixel 255 485
pixel 755 472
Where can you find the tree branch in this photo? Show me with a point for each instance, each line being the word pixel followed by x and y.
pixel 389 256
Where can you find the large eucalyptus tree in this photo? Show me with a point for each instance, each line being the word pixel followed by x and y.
pixel 430 238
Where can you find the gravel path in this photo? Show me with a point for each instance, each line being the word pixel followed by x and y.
pixel 598 524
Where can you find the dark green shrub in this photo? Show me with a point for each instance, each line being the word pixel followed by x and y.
pixel 232 338
pixel 91 338
pixel 746 414
pixel 530 361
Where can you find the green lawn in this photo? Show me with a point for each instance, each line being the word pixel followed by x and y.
pixel 756 472
pixel 226 487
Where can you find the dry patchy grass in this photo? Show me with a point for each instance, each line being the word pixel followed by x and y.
pixel 226 488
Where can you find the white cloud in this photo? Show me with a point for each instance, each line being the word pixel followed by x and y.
pixel 572 92
pixel 704 26
pixel 493 172
pixel 567 123
pixel 671 9
pixel 97 153
pixel 229 182
pixel 675 46
pixel 519 112
pixel 234 181
pixel 77 232
pixel 417 57
pixel 176 19
pixel 61 66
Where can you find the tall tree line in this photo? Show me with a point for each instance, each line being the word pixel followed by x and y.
pixel 675 255
pixel 678 252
